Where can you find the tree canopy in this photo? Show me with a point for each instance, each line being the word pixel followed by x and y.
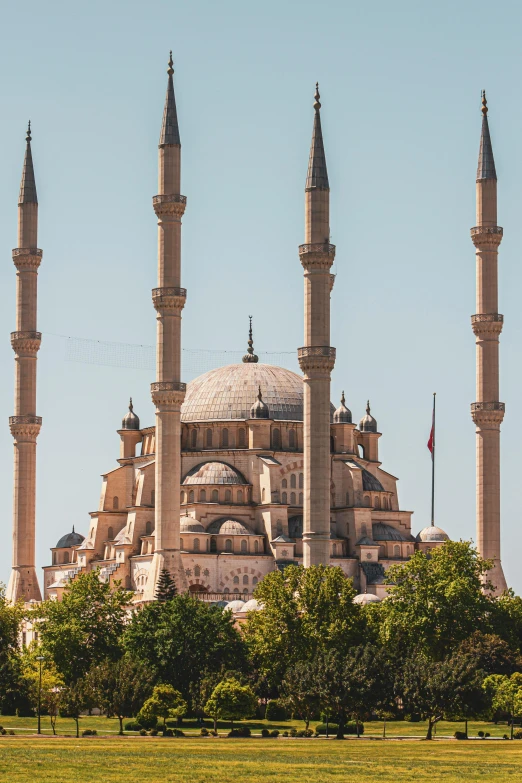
pixel 231 701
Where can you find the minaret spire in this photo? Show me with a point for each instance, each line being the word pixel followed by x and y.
pixel 25 424
pixel 487 412
pixel 169 127
pixel 316 357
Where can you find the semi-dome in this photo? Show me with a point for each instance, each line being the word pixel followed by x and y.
pixel 190 525
pixel 70 539
pixel 368 423
pixel 259 409
pixel 366 598
pixel 252 605
pixel 432 533
pixel 213 473
pixel 370 482
pixel 130 421
pixel 229 527
pixel 342 415
pixel 383 532
pixel 235 606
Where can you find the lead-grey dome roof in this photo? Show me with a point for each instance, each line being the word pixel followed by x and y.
pixel 383 532
pixel 226 526
pixel 366 598
pixel 190 525
pixel 432 533
pixel 213 473
pixel 130 420
pixel 342 415
pixel 70 539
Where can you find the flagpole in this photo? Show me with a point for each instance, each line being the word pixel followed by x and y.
pixel 433 467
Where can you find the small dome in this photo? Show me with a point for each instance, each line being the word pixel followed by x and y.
pixel 70 539
pixel 232 527
pixel 259 409
pixel 342 415
pixel 130 421
pixel 383 532
pixel 368 423
pixel 252 605
pixel 190 525
pixel 432 533
pixel 366 598
pixel 235 606
pixel 213 473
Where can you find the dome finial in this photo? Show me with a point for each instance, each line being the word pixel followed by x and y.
pixel 368 423
pixel 73 529
pixel 130 420
pixel 317 103
pixel 250 356
pixel 131 406
pixel 484 103
pixel 28 137
pixel 171 63
pixel 259 395
pixel 343 399
pixel 342 415
pixel 368 407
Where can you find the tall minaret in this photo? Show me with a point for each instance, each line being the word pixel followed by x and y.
pixel 25 424
pixel 487 412
pixel 168 392
pixel 317 358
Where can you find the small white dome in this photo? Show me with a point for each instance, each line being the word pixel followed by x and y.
pixel 366 598
pixel 190 525
pixel 432 534
pixel 252 605
pixel 235 606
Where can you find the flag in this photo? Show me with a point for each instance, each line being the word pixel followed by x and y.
pixel 431 439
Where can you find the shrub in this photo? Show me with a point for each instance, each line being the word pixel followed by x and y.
pixel 168 733
pixel 178 733
pixel 153 732
pixel 321 728
pixel 146 721
pixel 214 732
pixel 133 725
pixel 487 734
pixel 505 736
pixel 274 733
pixel 11 732
pixel 480 734
pixel 305 733
pixel 3 731
pixel 351 727
pixel 89 733
pixel 1 728
pixel 143 732
pixel 275 711
pixel 460 735
pixel 414 717
pixel 293 732
pixel 204 732
pixel 242 731
pixel 265 733
pixel 518 734
pixel 285 734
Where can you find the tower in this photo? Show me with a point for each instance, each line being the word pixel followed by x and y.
pixel 487 412
pixel 317 357
pixel 168 392
pixel 25 424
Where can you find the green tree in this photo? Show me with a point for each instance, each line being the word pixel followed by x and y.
pixel 506 619
pixel 231 701
pixel 10 620
pixel 436 600
pixel 166 588
pixel 85 627
pixel 491 653
pixel 74 699
pixel 184 639
pixel 165 702
pixel 300 692
pixel 120 687
pixel 51 683
pixel 505 694
pixel 305 611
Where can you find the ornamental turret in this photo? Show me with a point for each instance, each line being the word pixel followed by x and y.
pixel 25 424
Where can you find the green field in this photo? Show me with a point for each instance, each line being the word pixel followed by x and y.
pixel 28 759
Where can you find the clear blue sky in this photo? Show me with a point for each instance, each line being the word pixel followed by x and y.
pixel 400 87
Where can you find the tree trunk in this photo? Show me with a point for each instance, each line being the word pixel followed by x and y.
pixel 307 723
pixel 384 729
pixel 120 718
pixel 340 727
pixel 429 735
pixel 466 728
pixel 327 735
pixel 77 727
pixel 215 723
pixel 358 726
pixel 512 725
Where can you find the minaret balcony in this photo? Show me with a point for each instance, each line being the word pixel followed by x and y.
pixel 25 427
pixel 317 255
pixel 169 298
pixel 27 259
pixel 169 205
pixel 316 357
pixel 487 237
pixel 26 342
pixel 488 413
pixel 168 393
pixel 487 323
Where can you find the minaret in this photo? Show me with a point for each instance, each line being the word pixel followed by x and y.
pixel 25 424
pixel 317 358
pixel 168 392
pixel 487 412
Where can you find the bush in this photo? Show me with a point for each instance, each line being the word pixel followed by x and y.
pixel 460 735
pixel 518 734
pixel 11 732
pixel 168 733
pixel 293 732
pixel 480 734
pixel 265 733
pixel 505 736
pixel 3 732
pixel 274 733
pixel 487 734
pixel 351 727
pixel 153 732
pixel 242 731
pixel 89 733
pixel 133 725
pixel 414 717
pixel 143 732
pixel 285 734
pixel 204 732
pixel 146 722
pixel 321 728
pixel 275 711
pixel 305 733
pixel 178 733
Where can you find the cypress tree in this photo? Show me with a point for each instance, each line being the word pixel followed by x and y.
pixel 166 588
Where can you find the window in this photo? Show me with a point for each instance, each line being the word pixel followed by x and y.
pixel 396 550
pixel 245 579
pixel 197 571
pixel 191 496
pixel 182 497
pixel 332 443
pixel 209 439
pixel 244 547
pixel 213 544
pixel 208 545
pixel 240 496
pixel 202 496
pixel 110 534
pixel 245 590
pixel 292 499
pixel 291 439
pixel 284 499
pixel 276 438
pixel 334 549
pixel 228 545
pixel 224 438
pixel 254 580
pixel 360 449
pixel 236 589
pixel 54 558
pixel 241 440
pixel 377 502
pixel 181 543
pixel 148 528
pixel 293 481
pixel 115 502
pixel 196 545
pixel 366 501
pixel 279 527
pixel 300 498
pixel 228 496
pixel 236 580
pixel 153 497
pixel 66 557
pixel 226 590
pixel 256 547
pixel 284 483
pixel 301 481
pixel 215 497
pixel 263 495
pixel 194 438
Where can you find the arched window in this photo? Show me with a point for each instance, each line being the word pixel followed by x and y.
pixel 181 543
pixel 245 579
pixel 215 496
pixel 284 483
pixel 256 547
pixel 300 498
pixel 148 528
pixel 240 496
pixel 284 499
pixel 195 545
pixel 191 496
pixel 293 481
pixel 244 547
pixel 110 534
pixel 396 550
pixel 276 438
pixel 228 496
pixel 226 590
pixel 254 580
pixel 213 544
pixel 224 438
pixel 197 571
pixel 366 501
pixel 334 549
pixel 207 545
pixel 66 557
pixel 377 502
pixel 202 496
pixel 153 497
pixel 115 502
pixel 245 590
pixel 209 439
pixel 291 439
pixel 236 580
pixel 332 443
pixel 54 558
pixel 241 439
pixel 279 528
pixel 292 499
pixel 408 550
pixel 360 449
pixel 194 438
pixel 301 481
pixel 236 589
pixel 263 494
pixel 228 545
pixel 182 497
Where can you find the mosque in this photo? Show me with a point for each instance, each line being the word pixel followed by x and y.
pixel 249 467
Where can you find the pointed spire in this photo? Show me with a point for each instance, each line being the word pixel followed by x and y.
pixel 250 357
pixel 28 184
pixel 169 127
pixel 317 176
pixel 73 529
pixel 486 162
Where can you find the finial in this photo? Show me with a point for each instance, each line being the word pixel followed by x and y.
pixel 368 407
pixel 73 529
pixel 343 400
pixel 171 64
pixel 28 137
pixel 484 103
pixel 317 104
pixel 131 406
pixel 250 355
pixel 259 396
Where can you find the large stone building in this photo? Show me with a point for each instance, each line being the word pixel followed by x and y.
pixel 247 468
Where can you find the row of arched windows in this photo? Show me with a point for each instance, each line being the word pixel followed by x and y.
pixel 385 503
pixel 211 545
pixel 213 496
pixel 221 438
pixel 293 498
pixel 293 481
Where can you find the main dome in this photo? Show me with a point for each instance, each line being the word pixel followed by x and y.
pixel 229 393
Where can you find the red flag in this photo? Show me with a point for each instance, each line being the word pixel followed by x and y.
pixel 431 439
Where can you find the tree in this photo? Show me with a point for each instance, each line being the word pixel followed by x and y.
pixel 505 694
pixel 300 691
pixel 48 690
pixel 121 687
pixel 166 588
pixel 165 702
pixel 73 700
pixel 436 600
pixel 85 627
pixel 10 619
pixel 434 689
pixel 491 653
pixel 183 639
pixel 231 701
pixel 305 611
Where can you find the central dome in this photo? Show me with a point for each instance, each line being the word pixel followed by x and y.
pixel 229 392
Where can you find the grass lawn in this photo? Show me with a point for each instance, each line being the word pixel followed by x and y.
pixel 159 760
